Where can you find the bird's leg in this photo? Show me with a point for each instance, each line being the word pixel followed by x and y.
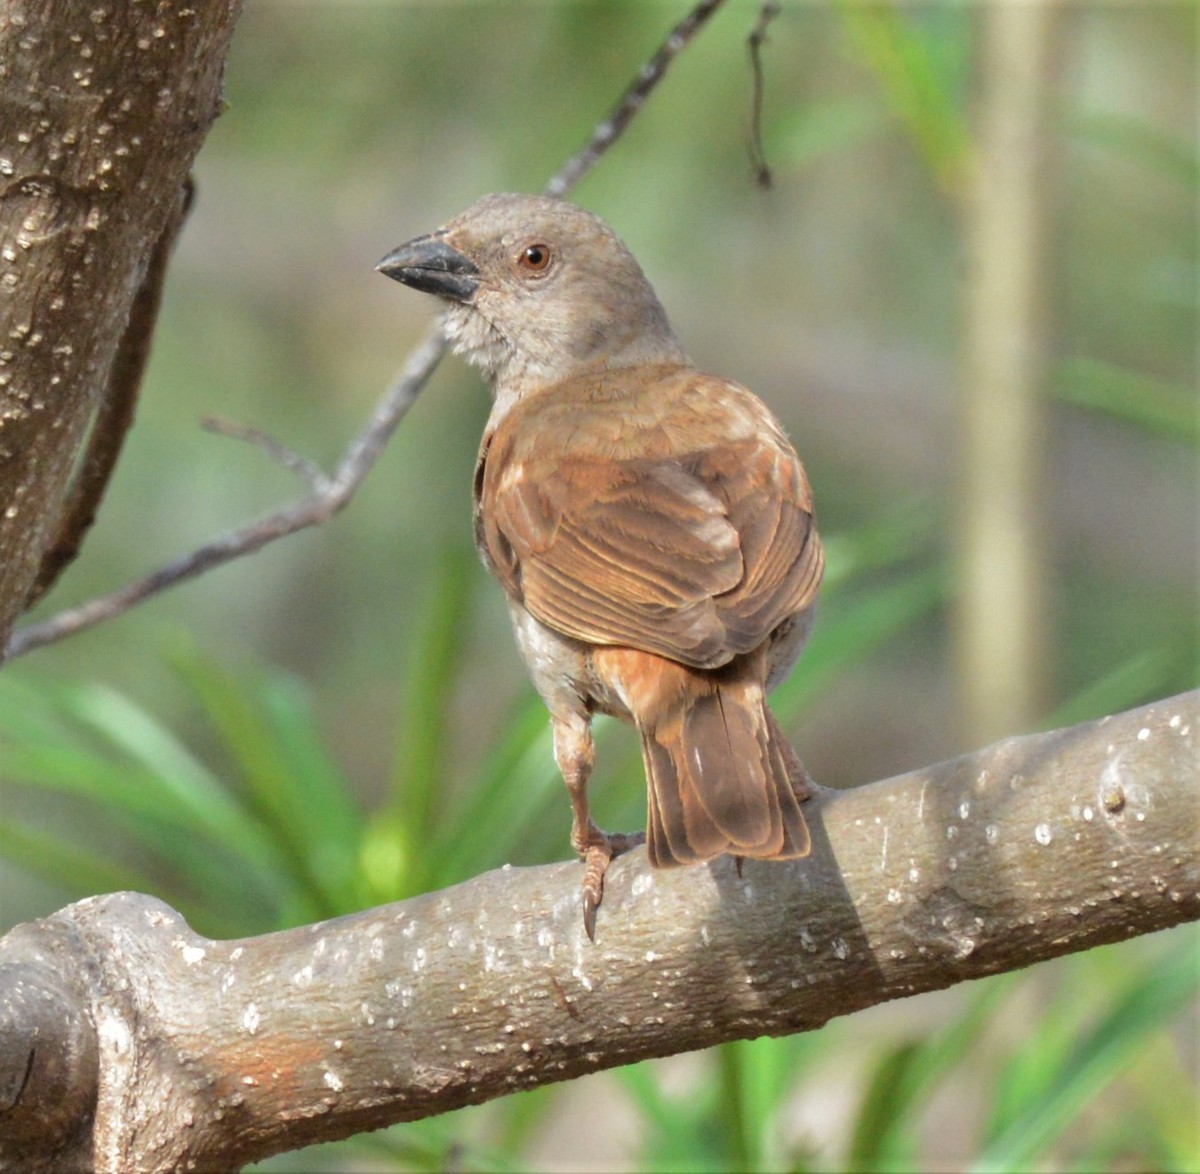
pixel 573 751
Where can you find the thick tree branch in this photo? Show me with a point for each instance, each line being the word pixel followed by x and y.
pixel 331 494
pixel 171 1049
pixel 114 414
pixel 102 111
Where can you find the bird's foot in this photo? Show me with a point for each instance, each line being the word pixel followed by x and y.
pixel 598 852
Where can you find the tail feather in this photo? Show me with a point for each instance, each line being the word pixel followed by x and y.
pixel 719 780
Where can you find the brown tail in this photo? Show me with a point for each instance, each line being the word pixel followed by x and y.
pixel 720 776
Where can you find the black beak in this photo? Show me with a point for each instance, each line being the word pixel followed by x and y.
pixel 432 266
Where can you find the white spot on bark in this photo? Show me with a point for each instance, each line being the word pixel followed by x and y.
pixel 1143 734
pixel 334 1081
pixel 251 1019
pixel 991 833
pixel 303 977
pixel 1043 834
pixel 192 955
pixel 112 1031
pixel 894 896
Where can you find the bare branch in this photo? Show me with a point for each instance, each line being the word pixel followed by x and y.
pixel 754 42
pixel 279 452
pixel 332 494
pixel 631 101
pixel 218 1053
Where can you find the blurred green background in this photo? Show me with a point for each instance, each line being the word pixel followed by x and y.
pixel 343 719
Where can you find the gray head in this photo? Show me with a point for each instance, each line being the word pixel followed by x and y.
pixel 536 290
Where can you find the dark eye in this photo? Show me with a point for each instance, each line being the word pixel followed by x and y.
pixel 534 258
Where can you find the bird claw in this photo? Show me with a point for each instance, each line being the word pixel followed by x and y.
pixel 590 905
pixel 738 861
pixel 595 864
pixel 596 858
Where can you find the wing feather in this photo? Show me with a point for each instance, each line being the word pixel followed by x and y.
pixel 693 539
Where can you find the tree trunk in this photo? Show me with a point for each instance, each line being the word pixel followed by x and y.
pixel 102 109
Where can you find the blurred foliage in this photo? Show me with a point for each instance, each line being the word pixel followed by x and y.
pixel 343 721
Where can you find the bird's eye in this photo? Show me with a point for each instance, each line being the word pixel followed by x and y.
pixel 534 258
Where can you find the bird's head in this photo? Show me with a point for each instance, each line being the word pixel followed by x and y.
pixel 536 290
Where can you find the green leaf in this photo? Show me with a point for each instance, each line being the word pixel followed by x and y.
pixel 820 128
pixel 1157 405
pixel 852 626
pixel 63 863
pixel 885 1108
pixel 1052 1102
pixel 326 817
pixel 276 790
pixel 1134 681
pixel 914 69
pixel 419 774
pixel 1172 156
pixel 515 781
pixel 885 1135
pixel 96 744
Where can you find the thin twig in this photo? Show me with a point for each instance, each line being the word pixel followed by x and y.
pixel 336 491
pixel 279 452
pixel 631 101
pixel 754 42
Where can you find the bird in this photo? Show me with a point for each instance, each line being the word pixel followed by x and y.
pixel 651 525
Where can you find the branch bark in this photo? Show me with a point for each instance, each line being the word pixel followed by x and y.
pixel 102 110
pixel 128 1042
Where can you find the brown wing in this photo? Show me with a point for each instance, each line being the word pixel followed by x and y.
pixel 694 555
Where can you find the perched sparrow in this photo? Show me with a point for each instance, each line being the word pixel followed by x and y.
pixel 651 524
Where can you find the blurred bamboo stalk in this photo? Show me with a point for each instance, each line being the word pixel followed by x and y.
pixel 1002 650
